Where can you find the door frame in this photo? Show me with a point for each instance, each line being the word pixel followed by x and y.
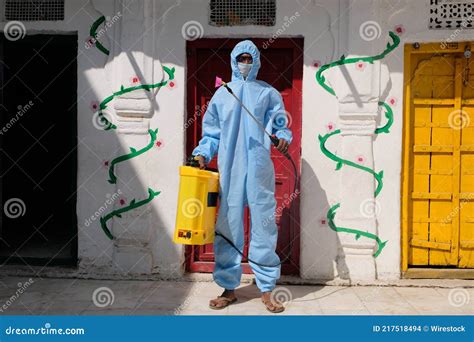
pixel 407 138
pixel 295 43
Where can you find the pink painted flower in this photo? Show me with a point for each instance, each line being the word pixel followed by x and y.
pixel 172 85
pixel 159 144
pixel 95 105
pixel 90 41
pixel 360 66
pixel 399 29
pixel 360 159
pixel 330 126
pixel 392 101
pixel 135 80
pixel 122 201
pixel 105 164
pixel 317 64
pixel 323 221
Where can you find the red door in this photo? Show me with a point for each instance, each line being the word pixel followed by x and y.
pixel 282 67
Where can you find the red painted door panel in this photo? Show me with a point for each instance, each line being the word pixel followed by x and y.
pixel 282 67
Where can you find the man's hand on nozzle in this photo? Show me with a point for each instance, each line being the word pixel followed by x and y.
pixel 202 161
pixel 283 146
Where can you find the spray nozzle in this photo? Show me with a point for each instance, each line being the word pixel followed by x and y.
pixel 219 82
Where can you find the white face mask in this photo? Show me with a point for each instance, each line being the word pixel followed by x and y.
pixel 244 68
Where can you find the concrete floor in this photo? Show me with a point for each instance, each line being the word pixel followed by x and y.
pixel 51 296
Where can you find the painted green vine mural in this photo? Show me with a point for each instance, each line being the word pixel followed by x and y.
pixel 103 105
pixel 340 162
pixel 107 125
pixel 133 153
pixel 118 213
pixel 93 33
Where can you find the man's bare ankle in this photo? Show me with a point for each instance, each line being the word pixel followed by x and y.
pixel 228 293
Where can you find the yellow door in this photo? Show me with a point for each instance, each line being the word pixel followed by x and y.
pixel 466 233
pixel 438 164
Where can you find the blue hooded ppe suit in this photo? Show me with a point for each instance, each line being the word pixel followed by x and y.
pixel 246 172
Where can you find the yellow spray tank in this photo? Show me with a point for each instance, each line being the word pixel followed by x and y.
pixel 197 205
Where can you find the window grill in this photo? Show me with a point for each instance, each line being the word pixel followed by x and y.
pixel 34 10
pixel 242 12
pixel 451 14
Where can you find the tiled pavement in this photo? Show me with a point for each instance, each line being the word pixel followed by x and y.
pixel 52 296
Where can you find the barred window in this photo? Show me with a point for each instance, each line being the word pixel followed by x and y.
pixel 451 14
pixel 242 12
pixel 34 10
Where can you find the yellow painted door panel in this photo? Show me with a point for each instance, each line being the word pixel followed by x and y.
pixel 466 232
pixel 438 176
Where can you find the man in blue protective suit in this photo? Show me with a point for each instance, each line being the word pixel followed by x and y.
pixel 246 174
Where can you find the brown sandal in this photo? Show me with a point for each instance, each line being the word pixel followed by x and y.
pixel 273 306
pixel 222 300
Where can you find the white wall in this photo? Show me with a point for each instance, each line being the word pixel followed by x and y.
pixel 329 28
pixel 413 18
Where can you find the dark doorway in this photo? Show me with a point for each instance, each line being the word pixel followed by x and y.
pixel 282 67
pixel 38 150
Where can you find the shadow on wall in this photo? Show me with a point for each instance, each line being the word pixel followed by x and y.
pixel 322 256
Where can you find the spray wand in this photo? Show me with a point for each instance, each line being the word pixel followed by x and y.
pixel 273 138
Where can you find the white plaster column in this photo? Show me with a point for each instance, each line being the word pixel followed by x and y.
pixel 133 62
pixel 358 88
